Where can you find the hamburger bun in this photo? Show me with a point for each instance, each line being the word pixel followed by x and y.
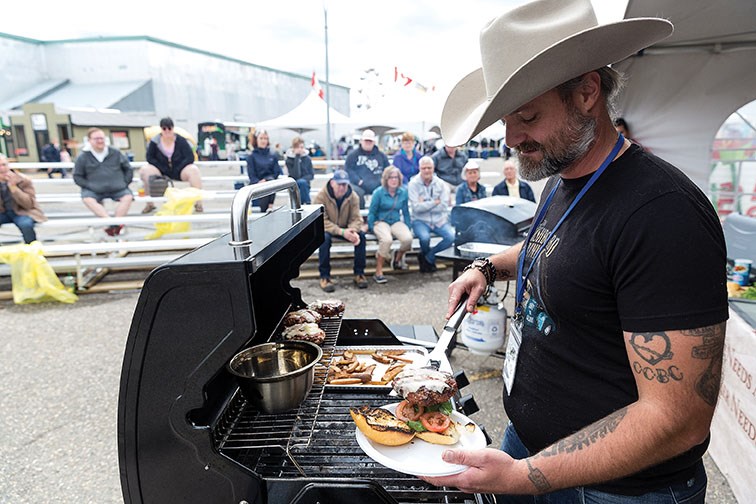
pixel 381 426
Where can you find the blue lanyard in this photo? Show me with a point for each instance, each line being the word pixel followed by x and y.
pixel 522 279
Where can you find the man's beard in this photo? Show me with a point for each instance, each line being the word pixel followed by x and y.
pixel 560 150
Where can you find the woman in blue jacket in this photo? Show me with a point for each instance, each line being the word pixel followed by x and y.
pixel 408 159
pixel 262 165
pixel 389 218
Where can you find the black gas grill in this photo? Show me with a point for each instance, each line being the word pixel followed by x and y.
pixel 185 432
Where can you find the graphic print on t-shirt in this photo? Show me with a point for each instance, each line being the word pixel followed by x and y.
pixel 371 163
pixel 534 313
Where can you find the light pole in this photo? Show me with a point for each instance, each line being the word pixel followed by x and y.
pixel 327 89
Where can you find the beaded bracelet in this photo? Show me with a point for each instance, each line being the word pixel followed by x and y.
pixel 485 266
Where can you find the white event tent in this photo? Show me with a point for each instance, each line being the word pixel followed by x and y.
pixel 401 110
pixel 681 90
pixel 310 115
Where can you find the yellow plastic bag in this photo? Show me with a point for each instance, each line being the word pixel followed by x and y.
pixel 33 279
pixel 180 202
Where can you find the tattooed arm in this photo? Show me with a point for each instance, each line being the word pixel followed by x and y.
pixel 677 374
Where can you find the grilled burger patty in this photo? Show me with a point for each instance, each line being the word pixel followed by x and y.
pixel 425 387
pixel 304 316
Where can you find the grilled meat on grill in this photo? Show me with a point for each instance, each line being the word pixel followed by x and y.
pixel 302 317
pixel 327 307
pixel 305 332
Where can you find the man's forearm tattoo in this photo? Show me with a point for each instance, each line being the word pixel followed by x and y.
pixel 537 478
pixel 711 349
pixel 581 439
pixel 502 274
pixel 587 436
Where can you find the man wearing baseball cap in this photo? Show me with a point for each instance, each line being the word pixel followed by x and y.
pixel 342 221
pixel 365 166
pixel 614 355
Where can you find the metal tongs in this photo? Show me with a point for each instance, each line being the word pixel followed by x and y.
pixel 450 329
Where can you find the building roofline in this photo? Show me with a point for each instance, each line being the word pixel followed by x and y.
pixel 21 39
pixel 126 38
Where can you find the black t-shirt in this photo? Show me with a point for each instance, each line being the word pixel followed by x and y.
pixel 642 251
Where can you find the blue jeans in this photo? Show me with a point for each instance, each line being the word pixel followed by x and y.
pixel 423 233
pixel 692 491
pixel 22 222
pixel 304 191
pixel 324 255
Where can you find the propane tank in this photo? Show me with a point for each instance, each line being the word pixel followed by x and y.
pixel 484 330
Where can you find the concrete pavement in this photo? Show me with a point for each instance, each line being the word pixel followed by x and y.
pixel 61 367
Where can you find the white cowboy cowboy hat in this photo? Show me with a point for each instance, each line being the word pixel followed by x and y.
pixel 534 48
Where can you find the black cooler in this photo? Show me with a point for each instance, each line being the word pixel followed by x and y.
pixel 186 434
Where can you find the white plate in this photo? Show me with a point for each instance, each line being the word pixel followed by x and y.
pixel 418 457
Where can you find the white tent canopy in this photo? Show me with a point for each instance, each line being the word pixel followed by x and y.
pixel 680 91
pixel 401 110
pixel 309 115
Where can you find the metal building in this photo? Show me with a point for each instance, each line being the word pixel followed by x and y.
pixel 140 76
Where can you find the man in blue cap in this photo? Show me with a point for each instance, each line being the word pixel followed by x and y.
pixel 342 221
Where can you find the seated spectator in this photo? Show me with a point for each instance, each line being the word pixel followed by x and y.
pixel 104 172
pixel 449 162
pixel 170 155
pixel 18 202
pixel 389 218
pixel 262 166
pixel 342 221
pixel 407 158
pixel 471 190
pixel 299 166
pixel 429 199
pixel 365 166
pixel 511 185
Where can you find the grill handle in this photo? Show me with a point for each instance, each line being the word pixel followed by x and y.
pixel 245 195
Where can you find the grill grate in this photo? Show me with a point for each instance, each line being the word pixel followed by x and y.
pixel 317 440
pixel 244 427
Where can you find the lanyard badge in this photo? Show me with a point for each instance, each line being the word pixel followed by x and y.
pixel 515 333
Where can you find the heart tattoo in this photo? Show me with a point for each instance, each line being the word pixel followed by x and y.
pixel 652 347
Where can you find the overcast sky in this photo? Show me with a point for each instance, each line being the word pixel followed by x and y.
pixel 433 42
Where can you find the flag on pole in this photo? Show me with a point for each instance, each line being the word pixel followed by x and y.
pixel 316 86
pixel 405 81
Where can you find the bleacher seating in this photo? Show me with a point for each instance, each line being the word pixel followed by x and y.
pixel 74 240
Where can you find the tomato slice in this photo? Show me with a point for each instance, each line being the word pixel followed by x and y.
pixel 435 421
pixel 406 411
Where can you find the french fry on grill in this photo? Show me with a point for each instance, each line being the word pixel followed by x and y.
pixel 379 357
pixel 392 372
pixel 347 369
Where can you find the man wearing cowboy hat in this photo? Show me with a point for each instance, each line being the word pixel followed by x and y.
pixel 612 400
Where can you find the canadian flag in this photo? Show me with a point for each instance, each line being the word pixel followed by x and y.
pixel 405 80
pixel 317 88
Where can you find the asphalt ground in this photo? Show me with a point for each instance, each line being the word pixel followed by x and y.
pixel 61 367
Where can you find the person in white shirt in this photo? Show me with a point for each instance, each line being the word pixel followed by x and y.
pixel 429 199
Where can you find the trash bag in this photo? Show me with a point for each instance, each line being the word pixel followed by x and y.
pixel 180 202
pixel 33 279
